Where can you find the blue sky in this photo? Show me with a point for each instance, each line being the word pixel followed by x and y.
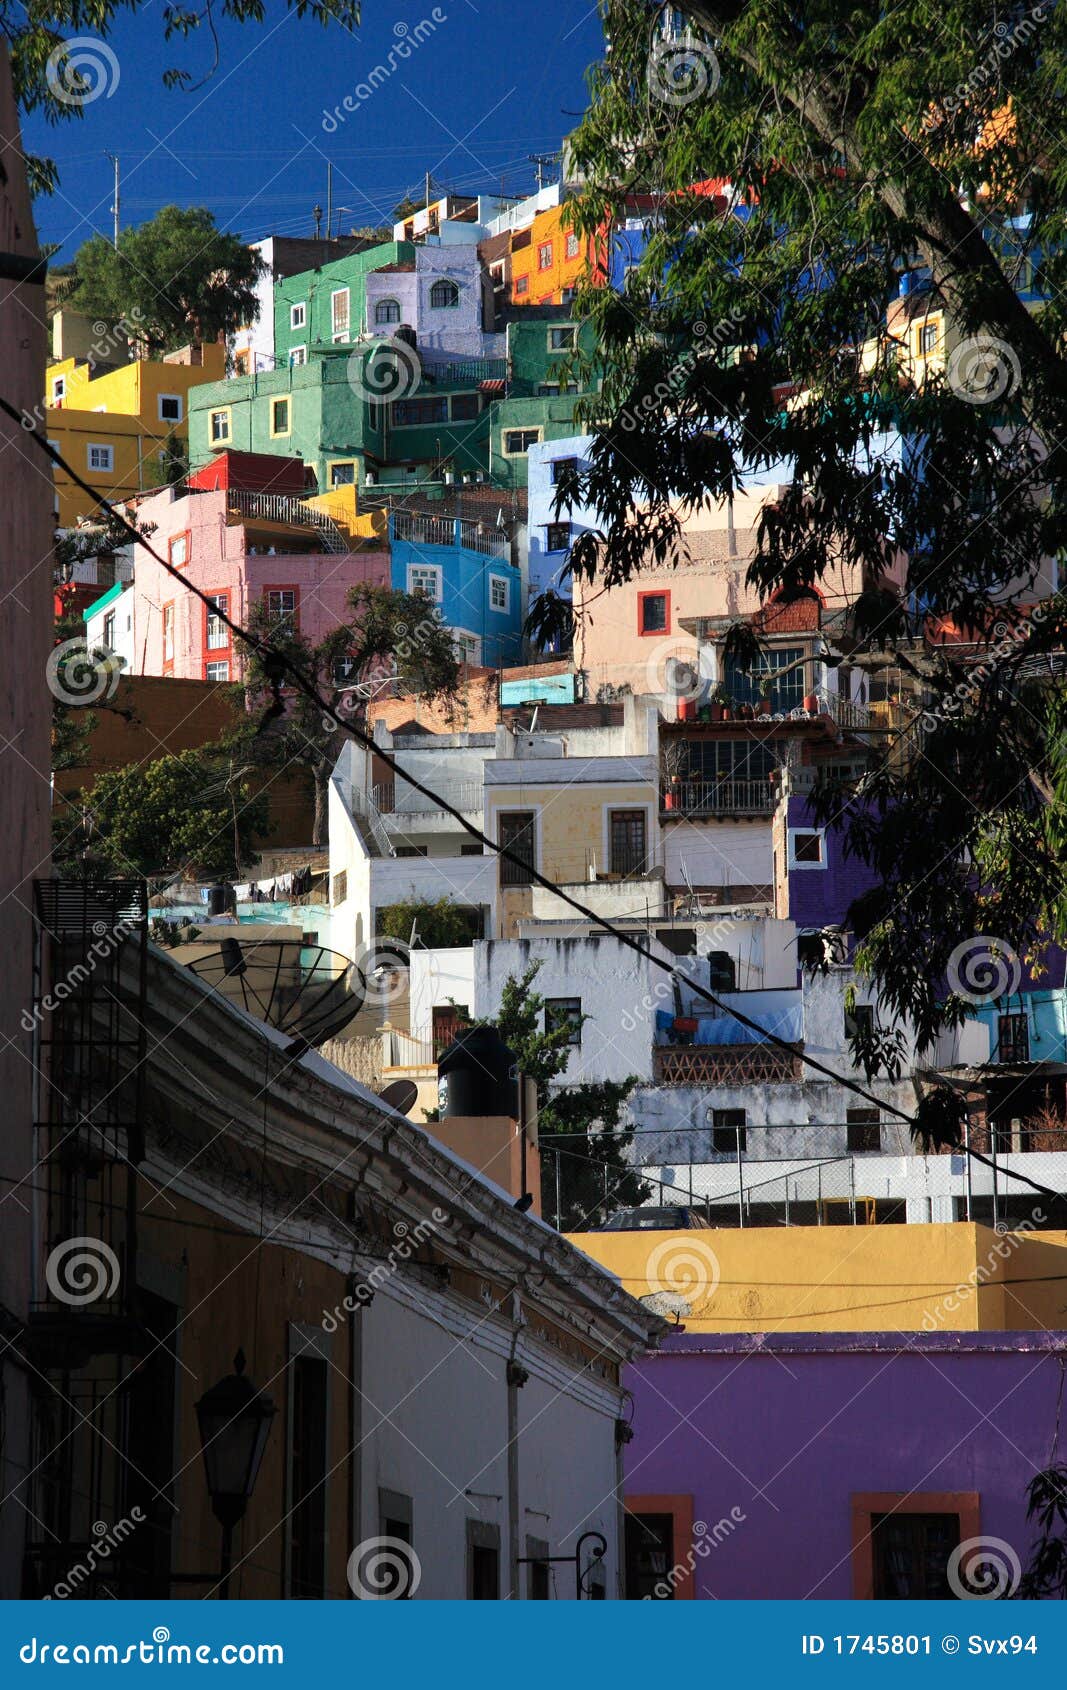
pixel 492 82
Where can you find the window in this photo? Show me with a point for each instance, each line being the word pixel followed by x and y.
pixel 447 1020
pixel 217 635
pixel 517 834
pixel 170 407
pixel 518 441
pixel 628 840
pixel 538 1570
pixel 722 972
pixel 281 604
pixel 653 613
pixel 279 417
pixel 343 475
pixel 339 887
pixel 444 295
pixel 483 1561
pixel 911 1554
pixel 563 340
pixel 806 848
pixel 574 245
pixel 863 1130
pixel 859 1021
pixel 168 634
pixel 307 1476
pixel 558 537
pixel 59 389
pixel 742 682
pixel 101 457
pixel 466 406
pixel 928 338
pixel 562 467
pixel 425 578
pixel 544 256
pixel 395 1517
pixel 499 593
pixel 217 671
pixel 553 389
pixel 178 550
pixel 650 1556
pixel 408 412
pixel 565 1012
pixel 219 427
pixel 386 311
pixel 297 355
pixel 339 314
pixel 728 1132
pixel 298 315
pixel 1013 1038
pixel 522 285
pixel 109 630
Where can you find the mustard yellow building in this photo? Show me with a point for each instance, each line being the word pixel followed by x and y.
pixel 548 259
pixel 951 1277
pixel 113 427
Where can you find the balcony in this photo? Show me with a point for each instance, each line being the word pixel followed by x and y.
pixel 407 808
pixel 447 531
pixel 287 511
pixel 726 1065
pixel 718 797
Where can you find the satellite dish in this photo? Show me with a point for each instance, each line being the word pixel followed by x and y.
pixel 400 1095
pixel 303 990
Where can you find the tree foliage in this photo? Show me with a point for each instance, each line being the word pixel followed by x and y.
pixel 800 162
pixel 175 279
pixel 438 923
pixel 578 1126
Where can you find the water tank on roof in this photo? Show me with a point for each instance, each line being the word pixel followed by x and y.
pixel 477 1075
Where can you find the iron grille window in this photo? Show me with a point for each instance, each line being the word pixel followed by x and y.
pixel 1013 1038
pixel 444 295
pixel 517 834
pixel 911 1555
pixel 743 682
pixel 558 538
pixel 629 843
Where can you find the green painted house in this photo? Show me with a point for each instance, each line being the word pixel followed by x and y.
pixel 327 307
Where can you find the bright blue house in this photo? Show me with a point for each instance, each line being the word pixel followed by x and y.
pixel 464 567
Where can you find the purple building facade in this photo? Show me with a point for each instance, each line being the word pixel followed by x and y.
pixel 820 1466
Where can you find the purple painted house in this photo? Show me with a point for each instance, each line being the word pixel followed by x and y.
pixel 820 1466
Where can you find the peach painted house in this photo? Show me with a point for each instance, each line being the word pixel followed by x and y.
pixel 243 531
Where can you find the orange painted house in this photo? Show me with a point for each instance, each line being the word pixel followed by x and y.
pixel 549 259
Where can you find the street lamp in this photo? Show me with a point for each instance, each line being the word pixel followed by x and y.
pixel 234 1420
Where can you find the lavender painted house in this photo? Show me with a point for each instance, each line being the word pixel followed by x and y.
pixel 836 1465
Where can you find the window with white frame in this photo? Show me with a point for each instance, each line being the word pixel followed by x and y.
pixel 178 550
pixel 519 440
pixel 339 314
pixel 499 592
pixel 170 407
pixel 574 245
pixel 101 457
pixel 168 633
pixel 298 315
pixel 297 355
pixel 807 848
pixel 220 427
pixel 218 635
pixel 281 603
pixel 425 578
pixel 217 671
pixel 544 256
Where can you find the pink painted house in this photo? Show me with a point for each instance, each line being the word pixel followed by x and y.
pixel 240 542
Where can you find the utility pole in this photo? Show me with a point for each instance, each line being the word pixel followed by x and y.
pixel 427 196
pixel 543 162
pixel 115 201
pixel 316 212
pixel 329 200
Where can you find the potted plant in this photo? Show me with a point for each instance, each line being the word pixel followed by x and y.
pixel 811 703
pixel 765 685
pixel 720 704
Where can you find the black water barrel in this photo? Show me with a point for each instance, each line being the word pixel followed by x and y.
pixel 476 1075
pixel 216 900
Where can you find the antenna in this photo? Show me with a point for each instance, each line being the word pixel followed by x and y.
pixel 543 161
pixel 329 200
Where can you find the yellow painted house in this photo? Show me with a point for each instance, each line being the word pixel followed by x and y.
pixel 937 1277
pixel 112 427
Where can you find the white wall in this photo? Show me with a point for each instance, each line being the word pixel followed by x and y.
pixel 124 642
pixel 718 853
pixel 437 978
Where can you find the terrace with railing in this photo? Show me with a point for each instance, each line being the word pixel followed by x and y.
pixel 718 797
pixel 423 530
pixel 289 511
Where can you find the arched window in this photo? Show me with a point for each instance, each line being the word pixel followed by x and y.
pixel 444 294
pixel 387 311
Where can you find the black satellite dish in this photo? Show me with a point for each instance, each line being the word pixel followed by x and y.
pixel 303 990
pixel 400 1095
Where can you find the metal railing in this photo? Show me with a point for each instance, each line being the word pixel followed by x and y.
pixel 725 1065
pixel 465 795
pixel 844 712
pixel 458 372
pixel 447 531
pixel 287 508
pixel 716 797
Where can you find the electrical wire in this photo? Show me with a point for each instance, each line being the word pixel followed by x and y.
pixel 277 666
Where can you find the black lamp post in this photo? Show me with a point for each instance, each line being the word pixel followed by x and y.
pixel 234 1420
